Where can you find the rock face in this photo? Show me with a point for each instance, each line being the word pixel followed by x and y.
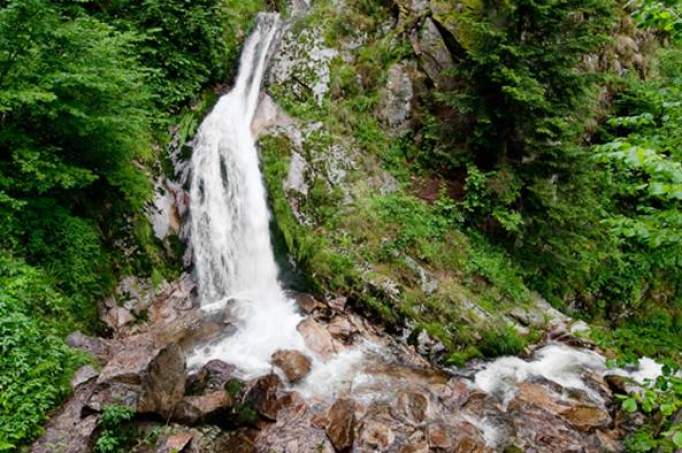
pixel 341 424
pixel 193 409
pixel 294 364
pixel 211 377
pixel 434 57
pixel 396 102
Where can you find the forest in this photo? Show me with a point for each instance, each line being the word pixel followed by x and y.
pixel 548 160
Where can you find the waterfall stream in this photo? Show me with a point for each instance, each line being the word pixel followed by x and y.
pixel 233 256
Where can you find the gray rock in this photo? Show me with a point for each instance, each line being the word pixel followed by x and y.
pixel 434 56
pixel 296 176
pixel 97 347
pixel 83 375
pixel 395 105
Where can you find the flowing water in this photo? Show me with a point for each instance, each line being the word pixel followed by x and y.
pixel 233 256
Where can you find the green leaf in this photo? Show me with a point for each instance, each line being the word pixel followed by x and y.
pixel 677 439
pixel 629 405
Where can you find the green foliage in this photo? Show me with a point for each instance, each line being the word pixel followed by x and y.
pixel 35 364
pixel 501 341
pixel 116 433
pixel 659 401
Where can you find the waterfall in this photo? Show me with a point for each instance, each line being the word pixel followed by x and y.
pixel 230 238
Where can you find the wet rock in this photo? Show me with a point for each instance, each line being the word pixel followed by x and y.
pixel 586 417
pixel 262 396
pixel 193 409
pixel 294 364
pixel 340 426
pixel 413 407
pixel 156 374
pixel 439 437
pixel 617 384
pixel 307 302
pixel 66 431
pixel 96 347
pixel 317 338
pixel 396 102
pixel 211 377
pixel 341 328
pixel 377 435
pixel 84 374
pixel 338 303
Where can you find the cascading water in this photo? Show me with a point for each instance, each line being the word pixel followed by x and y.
pixel 233 255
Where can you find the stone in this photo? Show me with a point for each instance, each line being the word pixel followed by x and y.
pixel 341 328
pixel 176 443
pixel 211 377
pixel 262 396
pixel 296 176
pixel 66 431
pixel 439 437
pixel 307 302
pixel 84 374
pixel 317 338
pixel 395 104
pixel 434 57
pixel 338 303
pixel 377 435
pixel 413 407
pixel 157 374
pixel 193 409
pixel 340 426
pixel 586 417
pixel 96 347
pixel 294 364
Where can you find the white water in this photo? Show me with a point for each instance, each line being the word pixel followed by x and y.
pixel 233 255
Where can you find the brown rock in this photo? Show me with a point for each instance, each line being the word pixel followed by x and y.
pixel 377 435
pixel 438 436
pixel 586 417
pixel 211 377
pixel 66 430
pixel 262 396
pixel 341 328
pixel 157 374
pixel 317 338
pixel 413 406
pixel 176 443
pixel 338 304
pixel 295 365
pixel 193 409
pixel 340 427
pixel 307 302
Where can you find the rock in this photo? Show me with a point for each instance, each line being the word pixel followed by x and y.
pixel 579 328
pixel 377 435
pixel 306 302
pixel 262 396
pixel 296 176
pixel 338 303
pixel 317 338
pixel 413 407
pixel 395 104
pixel 84 374
pixel 176 443
pixel 617 384
pixel 341 328
pixel 439 437
pixel 211 377
pixel 295 365
pixel 193 409
pixel 66 431
pixel 434 57
pixel 96 347
pixel 119 393
pixel 586 417
pixel 157 374
pixel 340 427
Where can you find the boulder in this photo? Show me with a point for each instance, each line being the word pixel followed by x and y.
pixel 434 57
pixel 262 396
pixel 175 443
pixel 155 374
pixel 439 437
pixel 413 407
pixel 317 338
pixel 294 364
pixel 340 427
pixel 193 409
pixel 211 377
pixel 377 435
pixel 341 328
pixel 306 302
